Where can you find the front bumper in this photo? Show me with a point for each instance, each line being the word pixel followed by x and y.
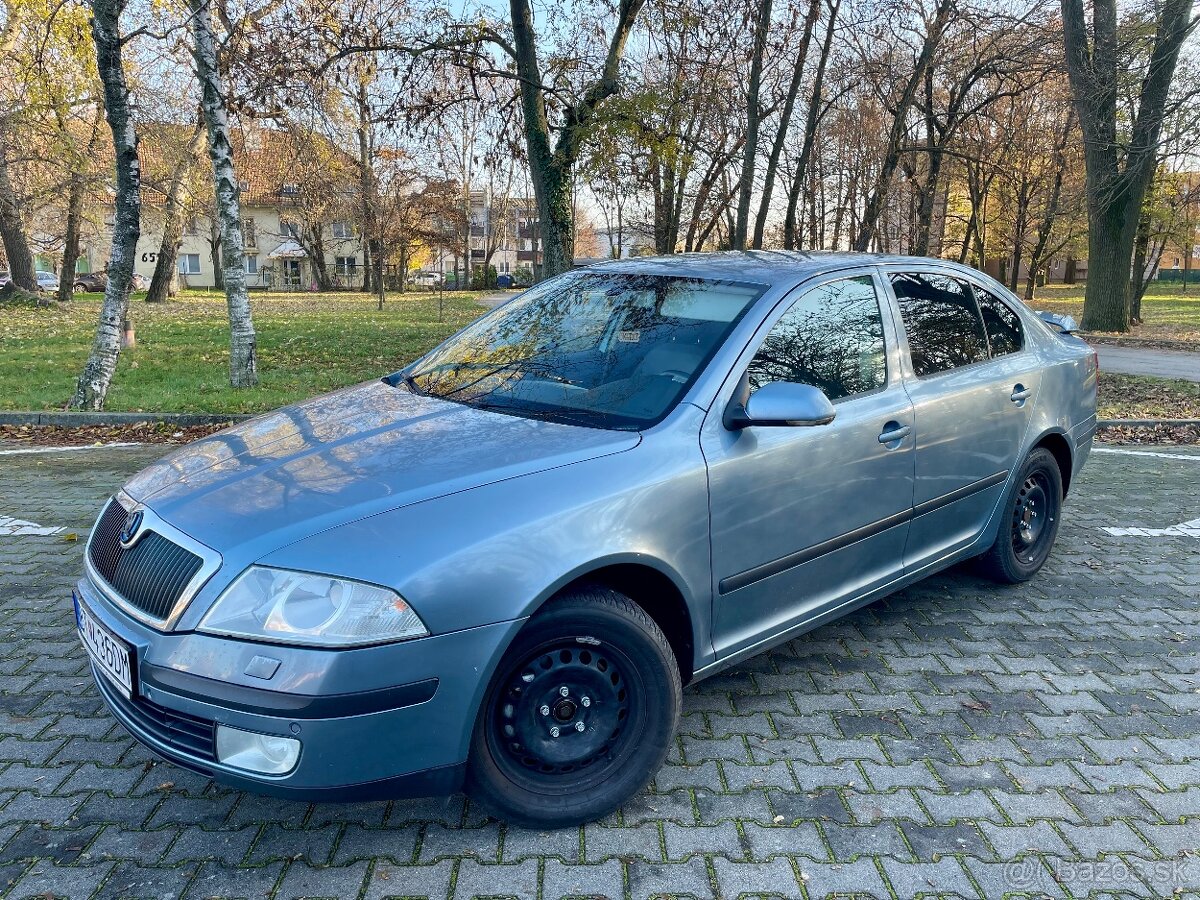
pixel 386 721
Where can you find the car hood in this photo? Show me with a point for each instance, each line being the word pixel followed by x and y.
pixel 354 453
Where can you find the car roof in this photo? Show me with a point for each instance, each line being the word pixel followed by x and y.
pixel 760 266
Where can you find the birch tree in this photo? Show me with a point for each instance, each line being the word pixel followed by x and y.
pixel 243 350
pixel 93 384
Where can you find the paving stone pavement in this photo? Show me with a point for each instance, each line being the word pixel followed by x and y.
pixel 957 739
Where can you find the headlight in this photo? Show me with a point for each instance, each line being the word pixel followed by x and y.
pixel 315 610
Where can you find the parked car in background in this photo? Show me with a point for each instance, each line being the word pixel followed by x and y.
pixel 98 281
pixel 47 281
pixel 497 567
pixel 91 281
pixel 5 278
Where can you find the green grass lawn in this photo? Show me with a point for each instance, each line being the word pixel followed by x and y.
pixel 1169 313
pixel 307 344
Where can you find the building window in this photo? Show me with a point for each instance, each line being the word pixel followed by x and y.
pixel 190 225
pixel 346 265
pixel 189 263
pixel 289 229
pixel 251 263
pixel 290 189
pixel 249 237
pixel 342 230
pixel 243 185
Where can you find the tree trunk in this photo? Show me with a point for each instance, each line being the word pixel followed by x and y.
pixel 1119 170
pixel 785 121
pixel 811 121
pixel 243 349
pixel 366 180
pixel 164 282
pixel 1110 258
pixel 551 168
pixel 12 227
pixel 92 387
pixel 1137 285
pixel 214 253
pixel 70 254
pixel 891 157
pixel 753 119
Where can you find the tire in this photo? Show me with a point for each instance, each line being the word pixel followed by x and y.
pixel 621 682
pixel 1031 515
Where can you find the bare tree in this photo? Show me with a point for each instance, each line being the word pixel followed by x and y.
pixel 762 25
pixel 163 281
pixel 92 387
pixel 1119 167
pixel 933 29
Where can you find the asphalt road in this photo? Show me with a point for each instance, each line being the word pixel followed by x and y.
pixel 1145 361
pixel 958 739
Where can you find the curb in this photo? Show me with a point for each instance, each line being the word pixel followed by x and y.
pixel 78 419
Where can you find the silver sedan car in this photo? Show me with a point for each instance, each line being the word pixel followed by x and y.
pixel 497 568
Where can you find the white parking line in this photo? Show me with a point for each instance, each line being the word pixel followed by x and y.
pixel 1183 529
pixel 1195 457
pixel 66 449
pixel 9 525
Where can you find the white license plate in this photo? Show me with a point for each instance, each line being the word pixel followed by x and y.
pixel 112 657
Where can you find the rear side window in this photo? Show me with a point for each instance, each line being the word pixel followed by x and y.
pixel 1003 326
pixel 942 321
pixel 831 338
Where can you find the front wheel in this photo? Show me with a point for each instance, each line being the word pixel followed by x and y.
pixel 580 713
pixel 1031 515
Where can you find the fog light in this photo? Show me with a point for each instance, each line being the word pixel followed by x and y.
pixel 269 754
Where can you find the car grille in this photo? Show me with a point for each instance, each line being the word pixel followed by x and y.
pixel 174 730
pixel 151 575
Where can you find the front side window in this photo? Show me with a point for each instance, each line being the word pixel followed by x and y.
pixel 1002 324
pixel 602 349
pixel 831 338
pixel 189 263
pixel 942 321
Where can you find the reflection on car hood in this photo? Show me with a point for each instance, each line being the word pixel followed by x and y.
pixel 353 453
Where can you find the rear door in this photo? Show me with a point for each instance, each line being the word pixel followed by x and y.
pixel 804 518
pixel 971 405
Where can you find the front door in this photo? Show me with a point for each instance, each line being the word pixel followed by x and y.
pixel 972 388
pixel 806 518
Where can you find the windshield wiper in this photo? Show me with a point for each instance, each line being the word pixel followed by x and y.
pixel 544 415
pixel 411 383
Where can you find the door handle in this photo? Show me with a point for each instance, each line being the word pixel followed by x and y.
pixel 1020 394
pixel 896 433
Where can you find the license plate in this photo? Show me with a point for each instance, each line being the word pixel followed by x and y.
pixel 112 657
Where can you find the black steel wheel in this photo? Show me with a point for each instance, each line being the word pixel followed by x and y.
pixel 1033 509
pixel 579 715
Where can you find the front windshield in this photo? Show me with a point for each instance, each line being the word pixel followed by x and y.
pixel 608 350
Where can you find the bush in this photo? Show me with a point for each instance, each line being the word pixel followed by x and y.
pixel 483 277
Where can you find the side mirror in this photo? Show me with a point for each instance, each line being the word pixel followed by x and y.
pixel 781 403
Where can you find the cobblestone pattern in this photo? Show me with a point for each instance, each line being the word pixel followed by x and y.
pixel 958 739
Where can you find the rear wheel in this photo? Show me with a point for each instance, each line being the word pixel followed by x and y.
pixel 1030 525
pixel 580 714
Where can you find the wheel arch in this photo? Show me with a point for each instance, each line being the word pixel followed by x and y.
pixel 1056 442
pixel 653 586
